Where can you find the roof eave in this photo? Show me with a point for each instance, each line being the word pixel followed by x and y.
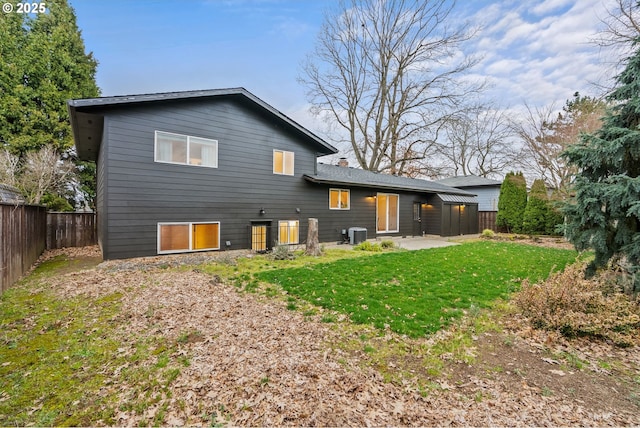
pixel 97 105
pixel 320 180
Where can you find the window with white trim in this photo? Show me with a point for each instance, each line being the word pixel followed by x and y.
pixel 288 232
pixel 339 199
pixel 387 212
pixel 187 236
pixel 283 162
pixel 185 150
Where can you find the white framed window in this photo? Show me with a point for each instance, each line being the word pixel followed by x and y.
pixel 339 199
pixel 387 212
pixel 185 150
pixel 283 162
pixel 288 232
pixel 188 236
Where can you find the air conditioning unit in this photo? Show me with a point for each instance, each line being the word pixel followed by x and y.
pixel 357 235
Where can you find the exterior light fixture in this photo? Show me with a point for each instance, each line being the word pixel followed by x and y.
pixel 262 211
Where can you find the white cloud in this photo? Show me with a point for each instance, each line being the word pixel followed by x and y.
pixel 540 52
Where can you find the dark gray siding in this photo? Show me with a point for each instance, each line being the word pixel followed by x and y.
pixel 101 193
pixel 362 212
pixel 449 219
pixel 432 216
pixel 141 193
pixel 135 193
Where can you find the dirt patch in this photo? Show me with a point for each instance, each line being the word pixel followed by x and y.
pixel 554 374
pixel 254 362
pixel 540 241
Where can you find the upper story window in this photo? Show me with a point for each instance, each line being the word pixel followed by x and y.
pixel 339 199
pixel 283 162
pixel 185 150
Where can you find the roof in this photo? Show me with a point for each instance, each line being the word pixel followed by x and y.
pixel 458 199
pixel 348 176
pixel 468 181
pixel 10 194
pixel 87 115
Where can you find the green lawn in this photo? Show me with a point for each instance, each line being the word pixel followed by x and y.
pixel 419 292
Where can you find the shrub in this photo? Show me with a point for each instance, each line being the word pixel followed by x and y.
pixel 574 306
pixel 282 252
pixel 367 246
pixel 488 233
pixel 387 244
pixel 512 202
pixel 536 213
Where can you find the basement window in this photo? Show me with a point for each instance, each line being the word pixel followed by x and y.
pixel 186 237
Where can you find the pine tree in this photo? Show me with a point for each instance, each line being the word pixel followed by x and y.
pixel 512 202
pixel 536 213
pixel 605 213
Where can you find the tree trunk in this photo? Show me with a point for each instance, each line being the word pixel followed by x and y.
pixel 313 245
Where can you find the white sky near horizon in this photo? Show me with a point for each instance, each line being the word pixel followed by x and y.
pixel 538 52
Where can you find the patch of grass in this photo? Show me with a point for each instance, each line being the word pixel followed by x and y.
pixel 56 355
pixel 419 292
pixel 546 391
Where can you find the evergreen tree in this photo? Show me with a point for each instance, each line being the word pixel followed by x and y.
pixel 537 211
pixel 605 213
pixel 512 202
pixel 43 64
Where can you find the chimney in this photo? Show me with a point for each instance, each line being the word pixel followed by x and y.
pixel 343 162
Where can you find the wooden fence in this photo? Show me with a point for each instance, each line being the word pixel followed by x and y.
pixel 22 240
pixel 26 230
pixel 70 230
pixel 487 220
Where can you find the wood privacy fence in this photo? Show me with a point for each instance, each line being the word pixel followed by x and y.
pixel 26 230
pixel 70 230
pixel 22 240
pixel 487 220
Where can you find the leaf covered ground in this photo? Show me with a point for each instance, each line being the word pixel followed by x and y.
pixel 239 358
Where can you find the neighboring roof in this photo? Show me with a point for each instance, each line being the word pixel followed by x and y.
pixel 339 175
pixel 10 194
pixel 87 115
pixel 468 181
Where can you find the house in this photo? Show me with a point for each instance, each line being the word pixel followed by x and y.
pixel 396 205
pixel 488 193
pixel 222 169
pixel 10 195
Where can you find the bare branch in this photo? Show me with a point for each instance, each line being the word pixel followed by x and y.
pixel 388 73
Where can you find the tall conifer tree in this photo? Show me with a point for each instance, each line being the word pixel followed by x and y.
pixel 43 63
pixel 605 213
pixel 512 202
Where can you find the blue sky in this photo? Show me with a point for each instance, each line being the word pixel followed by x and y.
pixel 533 51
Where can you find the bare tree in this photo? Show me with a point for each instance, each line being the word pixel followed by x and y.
pixel 388 73
pixel 9 168
pixel 478 141
pixel 622 27
pixel 37 174
pixel 545 134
